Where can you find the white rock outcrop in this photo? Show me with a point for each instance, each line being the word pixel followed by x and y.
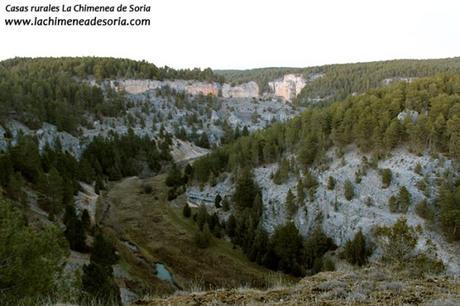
pixel 288 87
pixel 190 87
pixel 245 90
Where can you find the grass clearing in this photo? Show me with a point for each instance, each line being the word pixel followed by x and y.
pixel 158 232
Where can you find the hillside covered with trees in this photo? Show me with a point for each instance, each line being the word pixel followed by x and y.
pixel 423 116
pixel 53 90
pixel 43 183
pixel 341 80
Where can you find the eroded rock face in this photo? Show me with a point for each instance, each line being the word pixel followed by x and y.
pixel 190 87
pixel 288 87
pixel 245 90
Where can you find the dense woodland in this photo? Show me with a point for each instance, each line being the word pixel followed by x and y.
pixel 339 81
pixel 34 91
pixel 54 176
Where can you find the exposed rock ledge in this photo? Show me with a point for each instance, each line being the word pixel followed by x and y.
pixel 246 90
pixel 288 87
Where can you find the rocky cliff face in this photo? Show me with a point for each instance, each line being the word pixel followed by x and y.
pixel 288 87
pixel 46 135
pixel 245 90
pixel 190 87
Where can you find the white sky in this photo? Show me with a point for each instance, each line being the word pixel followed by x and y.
pixel 240 34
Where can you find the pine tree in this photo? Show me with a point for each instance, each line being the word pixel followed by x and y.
pixel 217 201
pixel 202 217
pixel 103 251
pixel 203 237
pixel 291 206
pixel 349 190
pixel 356 250
pixel 449 204
pixel 174 178
pixel 14 187
pixel 187 211
pixel 225 204
pixel 230 226
pixel 330 183
pixel 6 169
pixel 453 130
pixel 97 282
pixel 392 134
pixel 259 247
pixel 55 190
pixel 393 204
pixel 245 191
pixel 86 220
pixel 386 177
pixel 30 257
pixel 300 193
pixel 74 232
pixel 204 141
pixel 289 249
pixel 404 199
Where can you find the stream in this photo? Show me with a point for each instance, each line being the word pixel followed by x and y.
pixel 162 272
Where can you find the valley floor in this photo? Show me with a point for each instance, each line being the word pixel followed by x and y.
pixel 148 229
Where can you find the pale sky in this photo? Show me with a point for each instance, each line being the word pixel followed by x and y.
pixel 242 34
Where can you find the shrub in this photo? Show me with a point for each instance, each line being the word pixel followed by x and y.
pixel 328 264
pixel 418 169
pixel 147 189
pixel 30 258
pixel 331 183
pixel 187 211
pixel 404 199
pixel 393 204
pixel 401 203
pixel 397 242
pixel 423 210
pixel 349 190
pixel 203 238
pixel 387 176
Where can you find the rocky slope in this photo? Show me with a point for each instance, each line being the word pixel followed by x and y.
pixel 288 87
pixel 147 110
pixel 339 218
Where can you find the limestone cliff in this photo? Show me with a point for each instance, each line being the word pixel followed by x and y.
pixel 190 87
pixel 245 90
pixel 288 87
